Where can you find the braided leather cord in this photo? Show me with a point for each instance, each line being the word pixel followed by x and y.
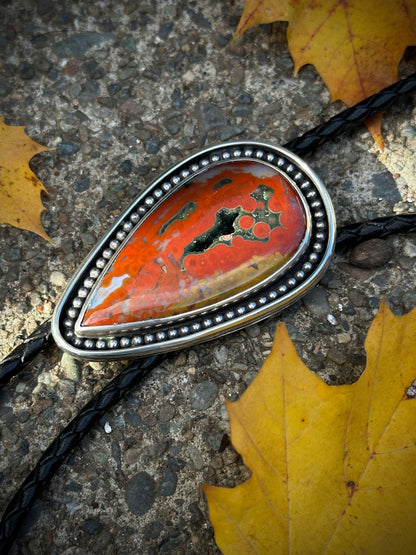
pixel 59 449
pixel 307 142
pixel 347 236
pixel 351 116
pixel 56 453
pixel 351 234
pixel 73 433
pixel 20 357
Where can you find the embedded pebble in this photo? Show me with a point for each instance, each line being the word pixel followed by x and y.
pixel 211 116
pixel 221 354
pixel 166 413
pixel 58 279
pixel 332 320
pixel 173 126
pixel 126 167
pixel 45 378
pixel 92 526
pixel 181 359
pixel 67 148
pixel 67 386
pixel 96 365
pixel 20 387
pixel 82 185
pixel 409 299
pixel 12 254
pixel 295 334
pixel 26 70
pixel 249 377
pixel 196 457
pixel 336 355
pixel 35 299
pixel 230 131
pixel 239 367
pixel 317 302
pixel 152 146
pixel 131 107
pixel 215 441
pixel 131 456
pixel 242 111
pixel 253 330
pixel 203 395
pixel 343 338
pixel 360 274
pixel 78 44
pixel 409 249
pixel 168 483
pixel 140 493
pixel 5 87
pixel 193 357
pixel 373 253
pixel 132 419
pixel 411 392
pixel 409 131
pixel 153 529
pixel 70 367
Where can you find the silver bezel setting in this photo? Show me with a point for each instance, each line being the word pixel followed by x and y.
pixel 270 296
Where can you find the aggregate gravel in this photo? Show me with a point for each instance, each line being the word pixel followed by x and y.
pixel 121 91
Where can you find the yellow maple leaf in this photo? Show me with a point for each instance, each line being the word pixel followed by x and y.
pixel 20 189
pixel 333 467
pixel 355 46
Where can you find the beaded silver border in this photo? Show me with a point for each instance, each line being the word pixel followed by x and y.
pixel 160 336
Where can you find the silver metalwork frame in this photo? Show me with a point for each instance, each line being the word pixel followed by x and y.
pixel 272 295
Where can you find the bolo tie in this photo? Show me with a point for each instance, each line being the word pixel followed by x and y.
pixel 255 212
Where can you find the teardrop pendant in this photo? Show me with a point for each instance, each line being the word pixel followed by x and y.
pixel 227 237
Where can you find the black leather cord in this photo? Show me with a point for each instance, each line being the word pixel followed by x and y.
pixel 24 353
pixel 347 236
pixel 59 449
pixel 352 234
pixel 351 116
pixel 307 142
pixel 56 453
pixel 73 433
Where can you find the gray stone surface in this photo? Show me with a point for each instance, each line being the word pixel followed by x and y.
pixel 124 90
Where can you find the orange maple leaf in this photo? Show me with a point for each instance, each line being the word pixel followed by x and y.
pixel 355 45
pixel 332 466
pixel 20 189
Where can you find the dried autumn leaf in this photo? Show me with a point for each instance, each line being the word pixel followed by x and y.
pixel 355 46
pixel 333 467
pixel 20 189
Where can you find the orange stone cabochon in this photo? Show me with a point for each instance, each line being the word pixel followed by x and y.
pixel 226 230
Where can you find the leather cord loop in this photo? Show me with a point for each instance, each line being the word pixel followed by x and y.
pixel 72 434
pixel 351 116
pixel 59 449
pixel 25 352
pixel 350 235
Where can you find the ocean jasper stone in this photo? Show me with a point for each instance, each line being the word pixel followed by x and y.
pixel 225 231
